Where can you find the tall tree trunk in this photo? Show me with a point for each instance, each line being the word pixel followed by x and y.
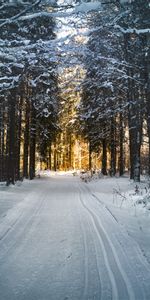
pixel 135 134
pixel 90 156
pixel 121 139
pixel 134 114
pixel 113 149
pixel 104 157
pixel 70 151
pixel 1 138
pixel 26 142
pixel 55 157
pixel 146 75
pixel 18 135
pixel 50 156
pixel 32 143
pixel 11 139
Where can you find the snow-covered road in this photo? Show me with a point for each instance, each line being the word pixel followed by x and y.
pixel 60 242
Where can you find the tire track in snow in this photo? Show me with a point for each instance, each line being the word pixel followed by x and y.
pixel 112 263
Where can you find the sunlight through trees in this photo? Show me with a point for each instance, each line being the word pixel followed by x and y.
pixel 74 87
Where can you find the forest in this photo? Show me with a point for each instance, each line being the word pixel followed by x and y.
pixel 74 87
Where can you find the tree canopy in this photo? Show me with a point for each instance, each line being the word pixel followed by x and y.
pixel 88 59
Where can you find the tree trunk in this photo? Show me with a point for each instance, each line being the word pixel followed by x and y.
pixel 113 149
pixel 50 156
pixel 11 139
pixel 146 75
pixel 121 154
pixel 134 114
pixel 26 142
pixel 104 158
pixel 32 143
pixel 135 133
pixel 19 132
pixel 1 139
pixel 55 157
pixel 70 151
pixel 90 156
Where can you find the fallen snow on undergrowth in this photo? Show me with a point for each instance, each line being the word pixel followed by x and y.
pixel 48 173
pixel 125 193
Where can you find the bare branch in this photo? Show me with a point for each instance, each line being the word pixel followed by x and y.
pixel 8 21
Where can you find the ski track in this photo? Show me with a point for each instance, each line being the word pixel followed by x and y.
pixel 107 246
pixel 118 274
pixel 143 260
pixel 86 261
pixel 105 206
pixel 138 250
pixel 20 222
pixel 115 294
pixel 86 258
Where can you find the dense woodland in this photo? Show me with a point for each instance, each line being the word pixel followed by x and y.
pixel 105 101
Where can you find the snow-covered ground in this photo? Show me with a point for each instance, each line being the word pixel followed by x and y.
pixel 129 204
pixel 61 238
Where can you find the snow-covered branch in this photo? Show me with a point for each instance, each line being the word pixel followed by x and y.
pixel 132 30
pixel 24 11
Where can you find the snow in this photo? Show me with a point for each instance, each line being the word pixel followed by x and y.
pixel 130 209
pixel 133 30
pixel 61 238
pixel 125 1
pixel 85 7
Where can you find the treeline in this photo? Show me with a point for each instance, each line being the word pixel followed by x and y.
pixel 28 89
pixel 26 127
pixel 114 112
pixel 115 106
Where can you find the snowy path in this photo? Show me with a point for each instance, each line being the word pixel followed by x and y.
pixel 62 243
